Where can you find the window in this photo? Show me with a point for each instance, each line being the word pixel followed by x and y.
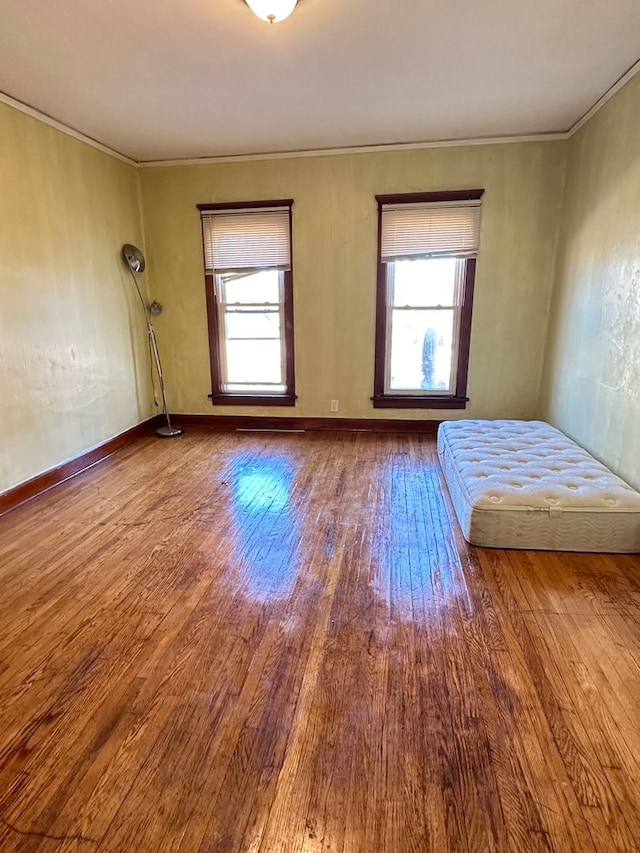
pixel 249 282
pixel 427 247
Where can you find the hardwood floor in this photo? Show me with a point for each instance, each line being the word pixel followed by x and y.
pixel 279 643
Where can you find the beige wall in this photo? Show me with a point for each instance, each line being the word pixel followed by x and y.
pixel 592 376
pixel 73 367
pixel 335 268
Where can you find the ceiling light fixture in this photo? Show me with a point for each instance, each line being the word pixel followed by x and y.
pixel 272 11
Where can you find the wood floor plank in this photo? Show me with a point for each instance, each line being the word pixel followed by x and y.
pixel 275 643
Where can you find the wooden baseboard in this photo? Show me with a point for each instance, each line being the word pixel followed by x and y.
pixel 243 422
pixel 54 476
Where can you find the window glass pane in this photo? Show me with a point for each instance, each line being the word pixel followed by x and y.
pixel 253 361
pixel 263 286
pixel 247 323
pixel 254 389
pixel 424 282
pixel 421 350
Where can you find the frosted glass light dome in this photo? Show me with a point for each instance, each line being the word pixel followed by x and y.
pixel 272 11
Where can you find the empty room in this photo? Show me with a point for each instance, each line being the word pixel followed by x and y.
pixel 320 426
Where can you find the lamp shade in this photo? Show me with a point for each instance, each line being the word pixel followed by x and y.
pixel 272 11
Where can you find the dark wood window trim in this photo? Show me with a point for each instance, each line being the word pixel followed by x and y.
pixel 218 396
pixel 428 198
pixel 246 205
pixel 459 399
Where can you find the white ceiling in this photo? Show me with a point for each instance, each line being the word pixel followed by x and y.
pixel 163 79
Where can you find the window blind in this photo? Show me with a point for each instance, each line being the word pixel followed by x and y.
pixel 431 230
pixel 247 239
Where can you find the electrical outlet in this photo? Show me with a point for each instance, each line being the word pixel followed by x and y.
pixel 334 406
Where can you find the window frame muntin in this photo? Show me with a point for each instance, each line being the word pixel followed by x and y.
pixel 218 395
pixel 382 399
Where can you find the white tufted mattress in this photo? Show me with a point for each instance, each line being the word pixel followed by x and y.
pixel 524 484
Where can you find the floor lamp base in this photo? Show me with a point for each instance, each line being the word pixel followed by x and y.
pixel 169 432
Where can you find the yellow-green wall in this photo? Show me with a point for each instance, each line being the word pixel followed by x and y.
pixel 73 367
pixel 592 375
pixel 335 232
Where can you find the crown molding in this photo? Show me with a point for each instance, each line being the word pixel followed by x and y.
pixel 325 152
pixel 360 149
pixel 63 128
pixel 406 146
pixel 613 90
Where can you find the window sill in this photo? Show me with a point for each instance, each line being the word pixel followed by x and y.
pixel 410 401
pixel 218 399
